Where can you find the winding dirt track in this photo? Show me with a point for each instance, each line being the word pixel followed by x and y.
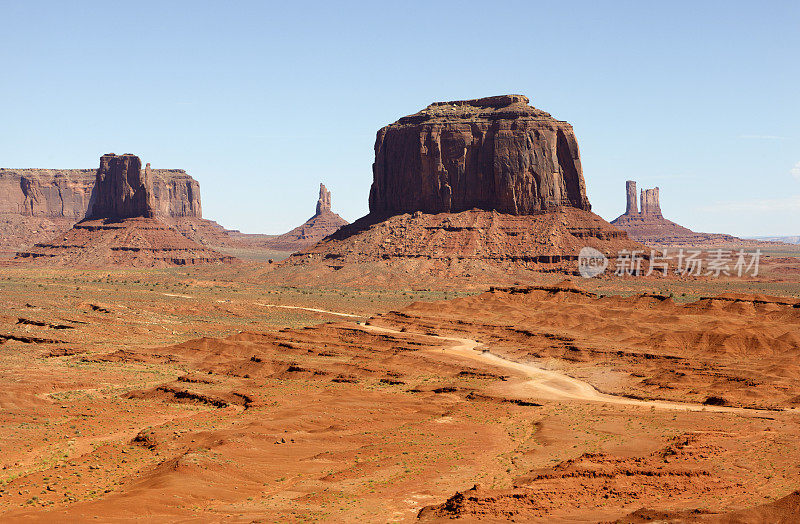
pixel 552 385
pixel 312 309
pixel 542 383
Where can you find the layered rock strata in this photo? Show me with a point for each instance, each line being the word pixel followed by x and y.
pixel 122 228
pixel 67 193
pixel 543 241
pixel 129 242
pixel 496 153
pixel 470 188
pixel 38 204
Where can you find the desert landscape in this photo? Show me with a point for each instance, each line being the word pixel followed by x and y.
pixel 439 359
pixel 478 344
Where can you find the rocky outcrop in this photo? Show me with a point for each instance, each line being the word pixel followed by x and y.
pixel 128 242
pixel 495 153
pixel 323 223
pixel 646 224
pixel 46 193
pixel 650 203
pixel 176 194
pixel 66 193
pixel 546 241
pixel 324 200
pixel 37 204
pixel 122 227
pixel 471 189
pixel 122 189
pixel 630 192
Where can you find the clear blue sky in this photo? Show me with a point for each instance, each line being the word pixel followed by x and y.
pixel 260 101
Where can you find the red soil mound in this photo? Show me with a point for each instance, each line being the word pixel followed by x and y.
pixel 589 477
pixel 136 242
pixel 782 511
pixel 306 235
pixel 467 242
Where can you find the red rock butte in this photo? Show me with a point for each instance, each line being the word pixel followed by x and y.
pixel 496 153
pixel 121 228
pixel 473 183
pixel 37 205
pixel 648 225
pixel 67 193
pixel 122 189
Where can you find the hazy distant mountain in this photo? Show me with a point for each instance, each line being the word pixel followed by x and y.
pixel 787 240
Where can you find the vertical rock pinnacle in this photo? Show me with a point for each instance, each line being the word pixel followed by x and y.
pixel 633 203
pixel 324 201
pixel 650 204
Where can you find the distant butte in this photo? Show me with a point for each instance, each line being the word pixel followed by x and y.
pixel 37 205
pixel 648 225
pixel 121 228
pixel 66 194
pixel 323 223
pixel 122 189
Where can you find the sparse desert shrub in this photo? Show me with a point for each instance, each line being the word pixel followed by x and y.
pixel 715 401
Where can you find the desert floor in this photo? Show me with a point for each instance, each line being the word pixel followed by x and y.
pixel 212 393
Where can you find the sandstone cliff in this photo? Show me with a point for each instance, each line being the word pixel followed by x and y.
pixel 66 193
pixel 122 189
pixel 495 153
pixel 490 189
pixel 122 227
pixel 37 204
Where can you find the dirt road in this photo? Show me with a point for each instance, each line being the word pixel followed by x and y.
pixel 549 384
pixel 312 309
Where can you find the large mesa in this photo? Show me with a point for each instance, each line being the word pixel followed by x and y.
pixel 38 204
pixel 122 227
pixel 496 153
pixel 67 193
